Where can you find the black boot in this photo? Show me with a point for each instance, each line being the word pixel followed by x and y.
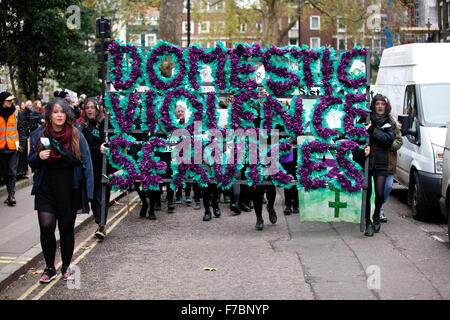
pixel 235 208
pixel 151 214
pixel 376 223
pixel 143 211
pixel 244 207
pixel 287 210
pixel 272 215
pixel 217 212
pixel 207 215
pixel 170 207
pixel 369 230
pixel 11 201
pixel 259 224
pixel 295 210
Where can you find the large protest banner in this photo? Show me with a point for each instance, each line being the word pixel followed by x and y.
pixel 142 99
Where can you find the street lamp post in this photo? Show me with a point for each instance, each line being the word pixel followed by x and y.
pixel 428 24
pixel 299 2
pixel 188 22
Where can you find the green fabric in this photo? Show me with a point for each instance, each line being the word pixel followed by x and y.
pixel 330 206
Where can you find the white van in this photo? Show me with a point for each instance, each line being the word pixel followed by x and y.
pixel 416 79
pixel 445 193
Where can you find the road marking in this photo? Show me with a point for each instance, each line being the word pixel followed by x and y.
pixel 6 258
pixel 83 244
pixel 9 261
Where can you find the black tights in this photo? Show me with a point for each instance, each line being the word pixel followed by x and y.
pixel 210 193
pixel 66 224
pixel 379 182
pixel 258 193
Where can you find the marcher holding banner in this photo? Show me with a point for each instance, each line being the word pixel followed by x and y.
pixel 396 145
pixel 93 124
pixel 382 131
pixel 63 178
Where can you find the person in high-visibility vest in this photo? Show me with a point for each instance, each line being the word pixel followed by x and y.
pixel 11 124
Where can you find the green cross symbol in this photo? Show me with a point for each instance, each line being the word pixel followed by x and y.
pixel 337 204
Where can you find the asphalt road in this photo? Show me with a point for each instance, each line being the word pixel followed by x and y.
pixel 166 258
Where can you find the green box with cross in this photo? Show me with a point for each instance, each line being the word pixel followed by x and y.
pixel 330 205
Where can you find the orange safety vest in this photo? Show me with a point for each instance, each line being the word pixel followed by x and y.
pixel 8 132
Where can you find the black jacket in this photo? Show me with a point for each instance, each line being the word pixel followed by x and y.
pixel 95 137
pixel 381 138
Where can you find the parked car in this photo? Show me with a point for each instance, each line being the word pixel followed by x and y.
pixel 416 79
pixel 444 202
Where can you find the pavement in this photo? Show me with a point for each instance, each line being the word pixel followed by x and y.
pixel 19 232
pixel 165 259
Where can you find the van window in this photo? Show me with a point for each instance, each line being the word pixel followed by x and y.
pixel 435 102
pixel 409 106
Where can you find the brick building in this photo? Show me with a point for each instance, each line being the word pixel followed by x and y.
pixel 444 20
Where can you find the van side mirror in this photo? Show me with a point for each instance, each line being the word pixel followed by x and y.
pixel 404 121
pixel 412 131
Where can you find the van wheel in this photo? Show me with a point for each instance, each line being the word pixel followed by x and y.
pixel 417 199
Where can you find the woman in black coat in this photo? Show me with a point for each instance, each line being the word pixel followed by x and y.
pixel 93 126
pixel 381 131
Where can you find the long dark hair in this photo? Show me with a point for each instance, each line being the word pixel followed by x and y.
pixel 381 97
pixel 99 115
pixel 75 139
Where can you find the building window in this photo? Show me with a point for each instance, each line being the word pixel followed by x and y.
pixel 153 20
pixel 203 6
pixel 341 44
pixel 258 27
pixel 341 28
pixel 376 45
pixel 243 27
pixel 314 43
pixel 135 39
pixel 314 22
pixel 293 41
pixel 416 13
pixel 448 14
pixel 220 27
pixel 185 25
pixel 203 27
pixel 295 27
pixel 220 5
pixel 150 40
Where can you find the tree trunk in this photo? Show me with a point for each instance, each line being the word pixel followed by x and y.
pixel 271 23
pixel 11 78
pixel 170 20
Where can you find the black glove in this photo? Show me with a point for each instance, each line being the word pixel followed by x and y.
pixel 370 130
